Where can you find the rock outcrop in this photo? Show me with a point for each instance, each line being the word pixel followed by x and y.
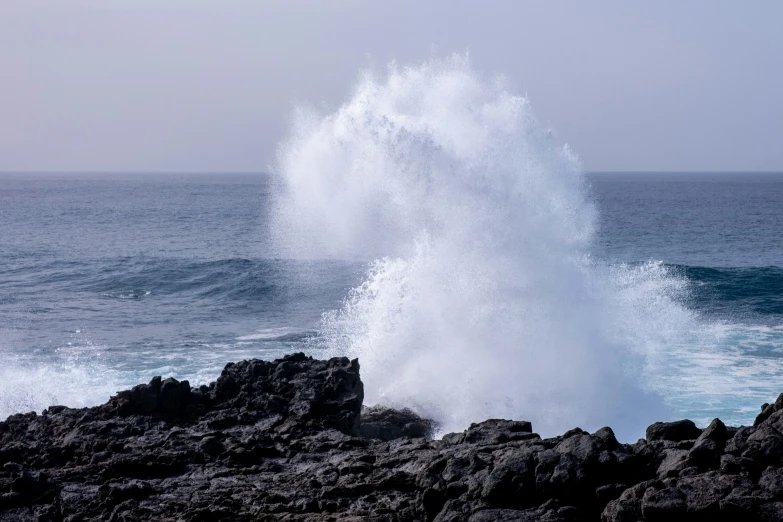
pixel 289 440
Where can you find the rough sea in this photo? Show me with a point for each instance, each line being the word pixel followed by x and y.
pixel 107 280
pixel 429 226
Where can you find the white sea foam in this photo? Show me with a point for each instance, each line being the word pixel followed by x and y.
pixel 81 373
pixel 728 372
pixel 482 299
pixel 266 334
pixel 35 385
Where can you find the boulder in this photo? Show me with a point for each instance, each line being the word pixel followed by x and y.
pixel 497 431
pixel 387 424
pixel 674 431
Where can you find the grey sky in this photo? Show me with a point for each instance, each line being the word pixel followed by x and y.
pixel 207 85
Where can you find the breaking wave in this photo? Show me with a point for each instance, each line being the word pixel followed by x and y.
pixel 482 298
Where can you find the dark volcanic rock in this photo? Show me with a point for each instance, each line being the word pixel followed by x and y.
pixel 289 440
pixel 675 431
pixel 389 424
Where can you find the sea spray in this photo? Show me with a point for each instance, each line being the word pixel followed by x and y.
pixel 482 299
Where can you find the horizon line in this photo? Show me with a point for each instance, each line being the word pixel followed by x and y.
pixel 255 173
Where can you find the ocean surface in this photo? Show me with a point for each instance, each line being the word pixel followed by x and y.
pixel 107 280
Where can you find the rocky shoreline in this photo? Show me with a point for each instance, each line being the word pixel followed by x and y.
pixel 289 440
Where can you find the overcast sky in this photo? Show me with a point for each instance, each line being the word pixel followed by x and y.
pixel 208 85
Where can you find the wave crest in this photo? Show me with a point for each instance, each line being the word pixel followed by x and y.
pixel 483 300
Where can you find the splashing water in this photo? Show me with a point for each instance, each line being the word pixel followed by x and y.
pixel 483 300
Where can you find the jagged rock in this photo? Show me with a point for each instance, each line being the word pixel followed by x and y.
pixel 674 461
pixel 289 440
pixel 494 431
pixel 709 446
pixel 716 431
pixel 173 396
pixel 388 424
pixel 769 409
pixel 663 504
pixel 145 396
pixel 674 431
pixel 607 435
pixel 628 508
pixel 512 481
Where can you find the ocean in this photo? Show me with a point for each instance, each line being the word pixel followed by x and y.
pixel 107 280
pixel 431 227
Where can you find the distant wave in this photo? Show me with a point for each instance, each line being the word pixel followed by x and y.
pixel 236 280
pixel 737 293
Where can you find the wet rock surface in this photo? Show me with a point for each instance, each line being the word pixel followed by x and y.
pixel 289 440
